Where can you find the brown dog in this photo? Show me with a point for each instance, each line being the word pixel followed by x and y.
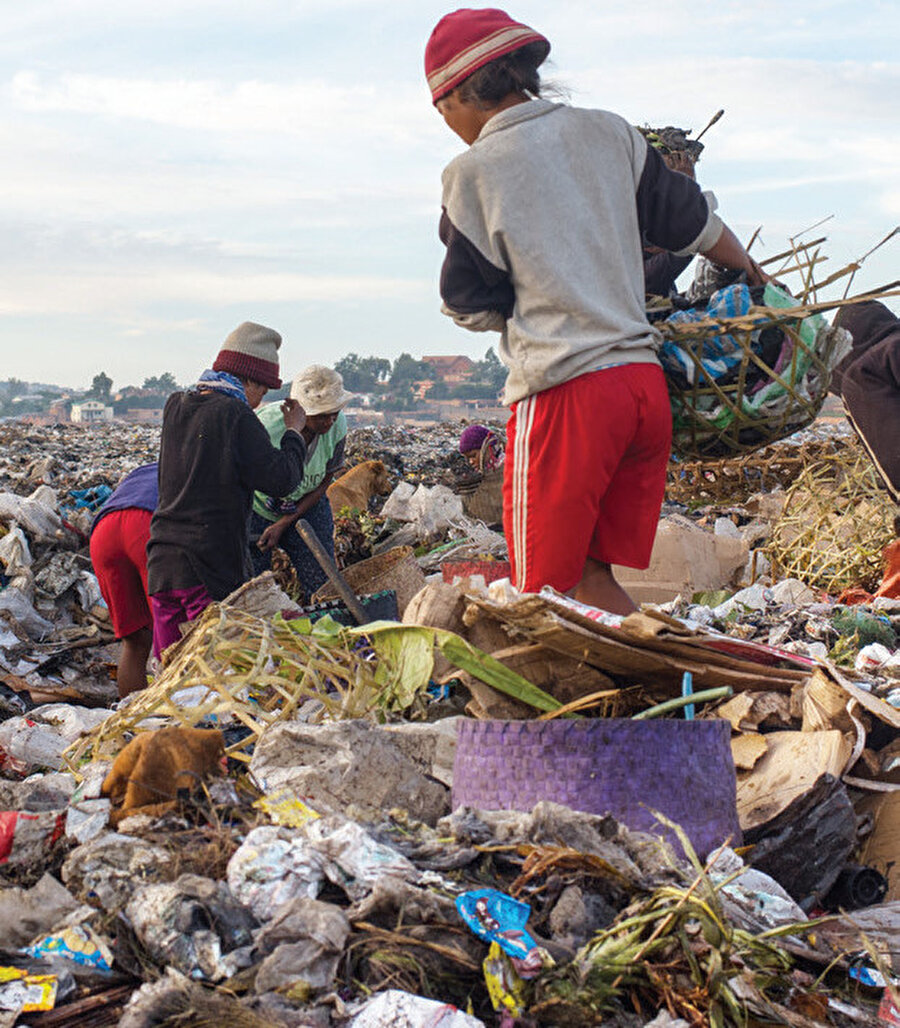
pixel 148 773
pixel 355 487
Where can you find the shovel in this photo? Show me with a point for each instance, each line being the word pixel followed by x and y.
pixel 330 568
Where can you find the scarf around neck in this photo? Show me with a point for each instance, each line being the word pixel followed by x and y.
pixel 222 382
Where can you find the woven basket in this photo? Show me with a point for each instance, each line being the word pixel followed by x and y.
pixel 394 569
pixel 837 519
pixel 683 769
pixel 483 498
pixel 484 502
pixel 712 419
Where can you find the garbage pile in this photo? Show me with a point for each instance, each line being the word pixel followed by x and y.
pixel 496 810
pixel 425 454
pixel 53 623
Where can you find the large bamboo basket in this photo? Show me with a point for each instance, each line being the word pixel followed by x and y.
pixel 762 400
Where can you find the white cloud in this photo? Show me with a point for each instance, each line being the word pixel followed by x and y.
pixel 304 108
pixel 108 291
pixel 165 160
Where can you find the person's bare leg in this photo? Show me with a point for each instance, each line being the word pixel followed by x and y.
pixel 599 588
pixel 132 669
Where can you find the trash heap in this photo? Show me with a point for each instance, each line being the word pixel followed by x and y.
pixel 496 810
pixel 53 623
pixel 426 455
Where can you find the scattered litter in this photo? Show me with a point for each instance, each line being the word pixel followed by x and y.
pixel 276 813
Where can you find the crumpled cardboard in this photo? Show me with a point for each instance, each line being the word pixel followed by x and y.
pixel 794 761
pixel 686 559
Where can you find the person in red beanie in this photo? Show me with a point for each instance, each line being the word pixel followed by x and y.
pixel 214 452
pixel 544 219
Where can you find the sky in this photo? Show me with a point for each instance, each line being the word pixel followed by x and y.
pixel 173 168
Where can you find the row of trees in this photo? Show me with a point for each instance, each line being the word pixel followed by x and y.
pixel 101 387
pixel 394 381
pixel 398 379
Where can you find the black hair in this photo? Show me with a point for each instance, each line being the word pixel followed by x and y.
pixel 515 72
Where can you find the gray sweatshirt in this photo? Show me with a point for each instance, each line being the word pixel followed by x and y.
pixel 544 219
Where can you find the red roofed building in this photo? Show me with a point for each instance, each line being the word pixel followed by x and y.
pixel 452 369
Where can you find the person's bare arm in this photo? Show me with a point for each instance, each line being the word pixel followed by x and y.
pixel 729 252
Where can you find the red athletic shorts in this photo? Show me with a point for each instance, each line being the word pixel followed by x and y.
pixel 586 474
pixel 119 556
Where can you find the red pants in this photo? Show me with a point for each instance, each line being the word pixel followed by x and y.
pixel 586 474
pixel 119 556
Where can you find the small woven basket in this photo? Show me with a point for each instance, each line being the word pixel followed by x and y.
pixel 394 569
pixel 484 500
pixel 683 769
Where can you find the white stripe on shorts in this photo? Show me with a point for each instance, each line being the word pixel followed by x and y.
pixel 525 412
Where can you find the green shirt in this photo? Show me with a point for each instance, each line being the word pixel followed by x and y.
pixel 323 455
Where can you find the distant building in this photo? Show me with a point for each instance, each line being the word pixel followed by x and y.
pixel 59 409
pixel 143 415
pixel 91 412
pixel 452 369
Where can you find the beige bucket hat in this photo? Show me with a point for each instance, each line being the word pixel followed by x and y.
pixel 320 390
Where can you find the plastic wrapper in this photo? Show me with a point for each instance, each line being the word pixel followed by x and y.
pixel 106 869
pixel 272 866
pixel 877 657
pixel 193 924
pixel 26 838
pixel 355 861
pixel 284 808
pixel 87 819
pixel 14 551
pixel 396 1009
pixel 495 917
pixel 25 992
pixel 888 1010
pixel 504 985
pixel 78 943
pixel 303 944
pixel 34 513
pixel 38 739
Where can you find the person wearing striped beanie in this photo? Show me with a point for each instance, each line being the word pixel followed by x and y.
pixel 543 218
pixel 214 453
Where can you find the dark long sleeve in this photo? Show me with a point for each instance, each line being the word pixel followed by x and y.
pixel 261 466
pixel 213 453
pixel 673 213
pixel 661 270
pixel 470 283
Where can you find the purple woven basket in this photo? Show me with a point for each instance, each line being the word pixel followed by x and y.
pixel 683 769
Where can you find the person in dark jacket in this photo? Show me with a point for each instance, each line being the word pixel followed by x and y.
pixel 214 453
pixel 119 539
pixel 868 382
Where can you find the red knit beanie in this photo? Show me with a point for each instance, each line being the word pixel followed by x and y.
pixel 464 41
pixel 251 351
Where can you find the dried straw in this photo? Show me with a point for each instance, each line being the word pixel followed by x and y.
pixel 234 666
pixel 247 669
pixel 836 522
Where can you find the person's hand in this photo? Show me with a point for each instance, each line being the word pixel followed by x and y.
pixel 755 274
pixel 294 415
pixel 271 535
